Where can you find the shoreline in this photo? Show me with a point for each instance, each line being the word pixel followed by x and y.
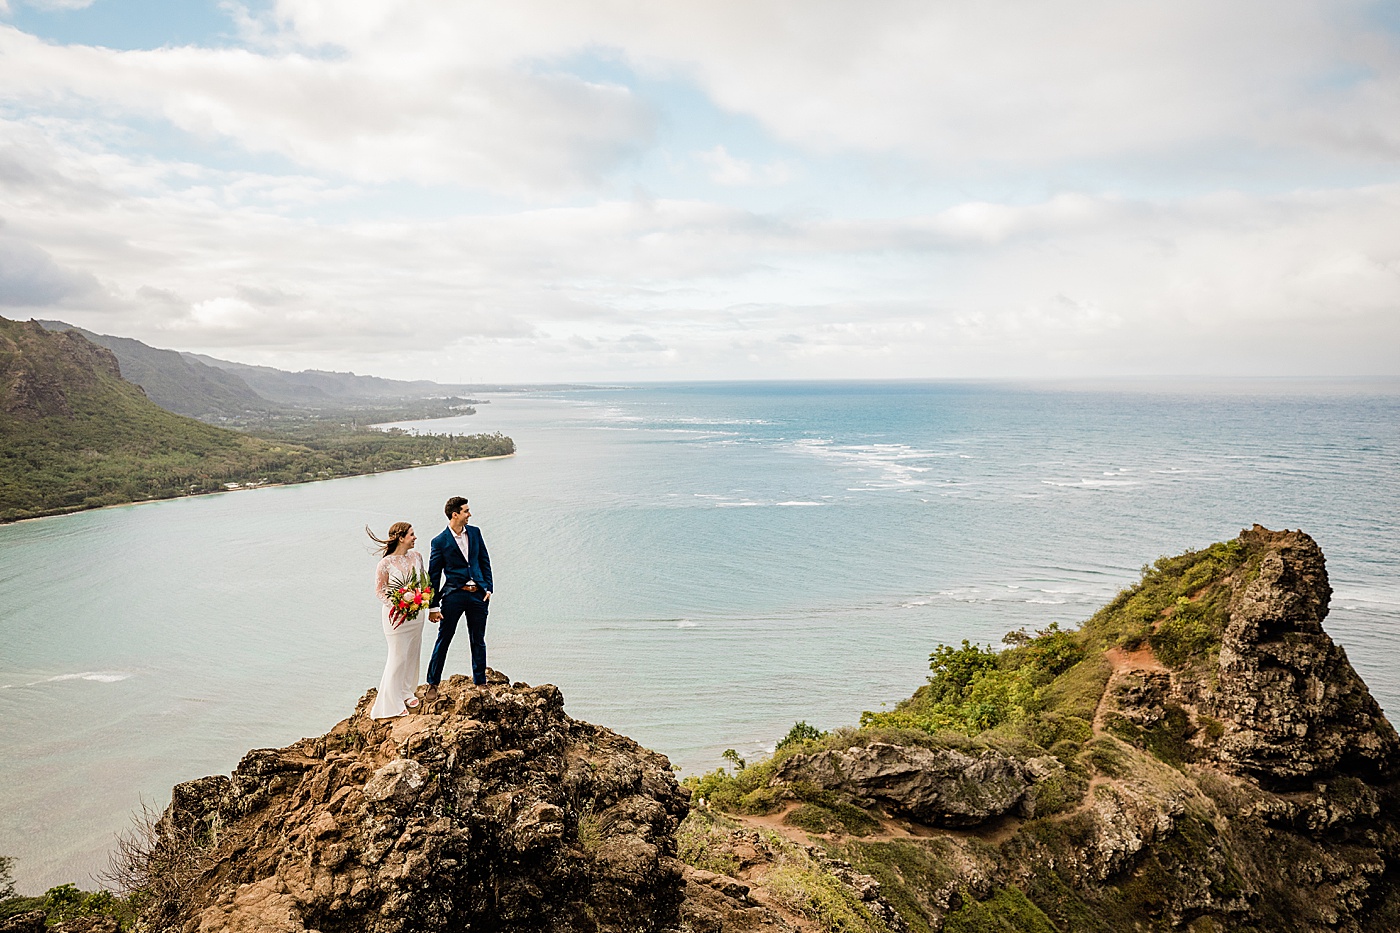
pixel 60 513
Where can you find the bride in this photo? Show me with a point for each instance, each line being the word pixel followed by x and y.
pixel 400 678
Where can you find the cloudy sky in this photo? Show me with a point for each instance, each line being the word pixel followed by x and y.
pixel 613 190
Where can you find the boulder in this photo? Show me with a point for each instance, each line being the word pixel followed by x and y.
pixel 940 787
pixel 28 922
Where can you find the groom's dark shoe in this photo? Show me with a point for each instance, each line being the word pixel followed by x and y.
pixel 431 694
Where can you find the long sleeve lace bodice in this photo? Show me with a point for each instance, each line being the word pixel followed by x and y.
pixel 394 565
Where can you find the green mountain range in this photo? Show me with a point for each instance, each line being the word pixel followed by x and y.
pixel 74 434
pixel 175 382
pixel 77 435
pixel 318 388
pixel 213 389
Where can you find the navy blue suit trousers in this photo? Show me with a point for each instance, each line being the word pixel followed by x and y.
pixel 454 606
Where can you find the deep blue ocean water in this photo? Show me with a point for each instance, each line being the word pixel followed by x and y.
pixel 697 566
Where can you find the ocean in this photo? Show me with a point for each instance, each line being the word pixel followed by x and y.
pixel 697 566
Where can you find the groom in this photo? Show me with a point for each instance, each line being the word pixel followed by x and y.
pixel 460 571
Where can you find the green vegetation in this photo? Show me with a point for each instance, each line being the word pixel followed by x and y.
pixel 800 734
pixel 1058 793
pixel 1047 686
pixel 1168 872
pixel 1076 692
pixel 745 791
pixel 973 689
pixel 590 832
pixel 808 888
pixel 257 397
pixel 825 812
pixel 910 872
pixel 174 382
pixel 1006 911
pixel 1178 607
pixel 1041 694
pixel 700 841
pixel 797 880
pixel 803 885
pixel 65 902
pixel 1165 738
pixel 74 435
pixel 1042 690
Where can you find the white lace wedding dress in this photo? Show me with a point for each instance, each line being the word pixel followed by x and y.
pixel 405 642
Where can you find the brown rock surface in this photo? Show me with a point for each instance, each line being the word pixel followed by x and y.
pixel 1293 706
pixel 38 369
pixel 941 787
pixel 31 921
pixel 491 810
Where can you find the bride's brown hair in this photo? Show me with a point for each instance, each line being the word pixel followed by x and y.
pixel 396 533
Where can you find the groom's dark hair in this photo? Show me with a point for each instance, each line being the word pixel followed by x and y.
pixel 454 505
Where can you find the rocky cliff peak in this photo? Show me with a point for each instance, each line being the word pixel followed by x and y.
pixel 1293 706
pixel 491 809
pixel 38 369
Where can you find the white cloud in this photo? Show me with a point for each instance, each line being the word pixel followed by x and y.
pixel 30 279
pixel 956 84
pixel 482 96
pixel 1006 271
pixel 58 4
pixel 668 286
pixel 728 171
pixel 371 118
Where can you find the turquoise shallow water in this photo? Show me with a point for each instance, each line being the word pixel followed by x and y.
pixel 696 566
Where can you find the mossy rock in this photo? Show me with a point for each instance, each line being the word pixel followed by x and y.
pixel 1107 757
pixel 1166 739
pixel 1008 910
pixel 1062 792
pixel 823 811
pixel 910 872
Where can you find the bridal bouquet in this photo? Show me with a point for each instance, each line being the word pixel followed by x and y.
pixel 408 596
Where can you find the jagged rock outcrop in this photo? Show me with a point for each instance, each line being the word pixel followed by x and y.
pixel 31 921
pixel 941 787
pixel 1293 706
pixel 489 810
pixel 39 370
pixel 36 921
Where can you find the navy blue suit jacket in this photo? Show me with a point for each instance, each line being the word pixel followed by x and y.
pixel 449 571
